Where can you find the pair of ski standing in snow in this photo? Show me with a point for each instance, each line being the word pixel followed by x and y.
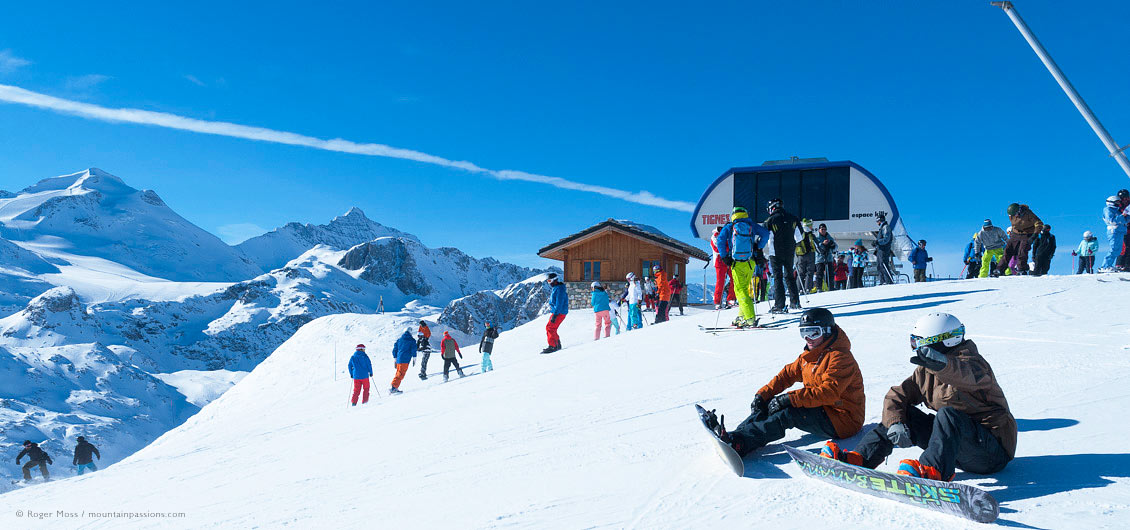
pixel 972 428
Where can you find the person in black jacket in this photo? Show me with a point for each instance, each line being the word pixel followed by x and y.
pixel 1043 248
pixel 486 345
pixel 36 457
pixel 84 456
pixel 784 227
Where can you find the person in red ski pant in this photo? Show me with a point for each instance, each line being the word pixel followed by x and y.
pixel 360 369
pixel 558 307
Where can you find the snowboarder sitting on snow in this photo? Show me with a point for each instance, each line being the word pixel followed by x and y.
pixel 973 428
pixel 558 308
pixel 360 369
pixel 83 455
pixel 403 352
pixel 486 344
pixel 36 457
pixel 448 349
pixel 830 403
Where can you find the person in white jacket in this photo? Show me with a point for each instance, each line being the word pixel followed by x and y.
pixel 635 296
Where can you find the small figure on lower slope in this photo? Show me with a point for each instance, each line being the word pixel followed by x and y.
pixel 84 453
pixel 486 346
pixel 360 370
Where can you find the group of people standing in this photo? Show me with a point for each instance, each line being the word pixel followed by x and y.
pixel 83 460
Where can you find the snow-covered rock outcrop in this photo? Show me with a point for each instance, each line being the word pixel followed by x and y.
pixel 277 247
pixel 504 309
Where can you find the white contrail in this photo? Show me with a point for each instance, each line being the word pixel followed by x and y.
pixel 13 94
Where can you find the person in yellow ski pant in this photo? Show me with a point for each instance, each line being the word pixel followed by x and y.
pixel 987 259
pixel 743 272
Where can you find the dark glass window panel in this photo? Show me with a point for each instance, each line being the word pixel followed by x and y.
pixel 812 194
pixel 837 189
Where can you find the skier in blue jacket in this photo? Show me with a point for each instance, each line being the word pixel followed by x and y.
pixel 403 352
pixel 1116 218
pixel 919 258
pixel 558 308
pixel 972 258
pixel 360 369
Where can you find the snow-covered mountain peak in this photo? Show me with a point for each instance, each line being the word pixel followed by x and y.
pixel 92 179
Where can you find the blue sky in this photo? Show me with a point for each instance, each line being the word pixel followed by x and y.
pixel 944 102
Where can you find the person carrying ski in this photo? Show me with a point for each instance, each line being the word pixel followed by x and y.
pixel 558 308
pixel 1116 218
pixel 825 262
pixel 634 297
pixel 601 309
pixel 723 283
pixel 1025 225
pixel 739 244
pixel 360 370
pixel 830 402
pixel 858 264
pixel 486 345
pixel 918 258
pixel 84 455
pixel 784 226
pixel 678 294
pixel 841 276
pixel 991 241
pixel 1088 247
pixel 973 428
pixel 448 349
pixel 424 334
pixel 972 258
pixel 403 352
pixel 36 457
pixel 1043 249
pixel 883 241
pixel 806 257
pixel 663 291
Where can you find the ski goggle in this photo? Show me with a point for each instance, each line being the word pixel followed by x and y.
pixel 918 342
pixel 811 332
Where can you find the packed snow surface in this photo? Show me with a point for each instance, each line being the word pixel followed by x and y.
pixel 603 434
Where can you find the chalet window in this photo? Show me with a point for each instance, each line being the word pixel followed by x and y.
pixel 592 271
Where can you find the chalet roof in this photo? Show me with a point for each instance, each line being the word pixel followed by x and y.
pixel 641 231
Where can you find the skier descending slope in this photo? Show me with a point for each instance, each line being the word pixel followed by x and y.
pixel 973 428
pixel 831 402
pixel 558 308
pixel 784 227
pixel 403 352
pixel 360 370
pixel 739 243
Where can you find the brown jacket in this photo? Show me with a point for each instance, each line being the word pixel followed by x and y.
pixel 967 384
pixel 831 380
pixel 1025 222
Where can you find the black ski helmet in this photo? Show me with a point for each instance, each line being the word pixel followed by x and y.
pixel 818 316
pixel 773 205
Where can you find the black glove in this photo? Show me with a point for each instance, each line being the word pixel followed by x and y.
pixel 929 358
pixel 728 261
pixel 929 260
pixel 779 403
pixel 758 405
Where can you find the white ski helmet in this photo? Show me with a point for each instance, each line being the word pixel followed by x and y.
pixel 1112 200
pixel 1087 234
pixel 937 327
pixel 631 277
pixel 594 285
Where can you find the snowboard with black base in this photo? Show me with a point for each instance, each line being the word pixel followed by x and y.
pixel 950 498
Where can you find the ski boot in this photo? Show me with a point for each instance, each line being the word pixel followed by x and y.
pixel 779 311
pixel 394 391
pixel 832 450
pixel 423 377
pixel 747 323
pixel 794 305
pixel 914 468
pixel 461 374
pixel 717 307
pixel 444 378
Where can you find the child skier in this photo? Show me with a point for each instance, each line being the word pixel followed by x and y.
pixel 448 349
pixel 486 345
pixel 360 370
pixel 858 264
pixel 1086 252
pixel 973 428
pixel 600 308
pixel 841 276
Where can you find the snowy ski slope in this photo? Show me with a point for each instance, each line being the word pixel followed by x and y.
pixel 603 434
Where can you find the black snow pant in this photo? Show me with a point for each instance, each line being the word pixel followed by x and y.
pixel 448 363
pixel 661 311
pixel 1043 264
pixel 825 272
pixel 973 269
pixel 806 268
pixel 759 430
pixel 883 264
pixel 42 469
pixel 1086 264
pixel 856 280
pixel 950 439
pixel 1018 246
pixel 781 267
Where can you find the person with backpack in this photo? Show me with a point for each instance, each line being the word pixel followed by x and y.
pixel 1025 226
pixel 972 258
pixel 858 264
pixel 84 456
pixel 991 241
pixel 422 346
pixel 1043 249
pixel 360 370
pixel 1088 247
pixel 600 308
pixel 486 345
pixel 842 271
pixel 678 294
pixel 825 262
pixel 403 352
pixel 633 297
pixel 558 309
pixel 918 259
pixel 784 226
pixel 36 457
pixel 448 349
pixel 723 283
pixel 739 243
pixel 806 257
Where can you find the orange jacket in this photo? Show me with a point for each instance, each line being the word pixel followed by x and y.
pixel 425 331
pixel 831 380
pixel 663 286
